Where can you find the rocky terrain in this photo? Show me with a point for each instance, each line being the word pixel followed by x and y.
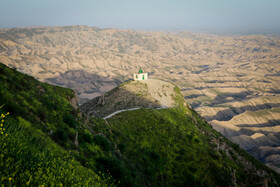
pixel 232 81
pixel 149 93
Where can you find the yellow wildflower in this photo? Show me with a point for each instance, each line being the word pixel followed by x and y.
pixel 6 134
pixel 10 179
pixel 1 132
pixel 2 121
pixel 7 113
pixel 1 125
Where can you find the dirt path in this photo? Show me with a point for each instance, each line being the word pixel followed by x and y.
pixel 119 111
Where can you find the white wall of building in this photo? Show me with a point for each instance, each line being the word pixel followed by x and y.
pixel 140 76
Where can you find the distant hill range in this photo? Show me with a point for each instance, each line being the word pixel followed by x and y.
pixel 232 81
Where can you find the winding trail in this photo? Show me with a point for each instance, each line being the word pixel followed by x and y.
pixel 119 111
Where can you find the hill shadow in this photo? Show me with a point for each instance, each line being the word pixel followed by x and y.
pixel 86 85
pixel 269 123
pixel 240 96
pixel 228 114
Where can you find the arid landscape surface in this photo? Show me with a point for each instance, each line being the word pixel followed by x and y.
pixel 232 81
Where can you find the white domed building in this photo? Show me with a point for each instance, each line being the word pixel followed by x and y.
pixel 140 75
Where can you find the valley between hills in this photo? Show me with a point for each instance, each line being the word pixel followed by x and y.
pixel 232 81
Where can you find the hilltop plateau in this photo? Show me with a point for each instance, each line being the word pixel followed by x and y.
pixel 232 81
pixel 149 93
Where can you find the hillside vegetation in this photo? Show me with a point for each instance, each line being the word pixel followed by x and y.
pixel 173 147
pixel 49 143
pixel 36 135
pixel 221 77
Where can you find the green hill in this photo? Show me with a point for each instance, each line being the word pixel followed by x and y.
pixel 36 137
pixel 48 142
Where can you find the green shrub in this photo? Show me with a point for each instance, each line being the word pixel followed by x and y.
pixel 42 115
pixel 85 137
pixel 71 133
pixel 61 136
pixel 70 120
pixel 103 142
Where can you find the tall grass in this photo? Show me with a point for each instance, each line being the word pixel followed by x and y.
pixel 28 157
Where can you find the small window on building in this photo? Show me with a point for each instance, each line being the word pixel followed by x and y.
pixel 143 77
pixel 136 76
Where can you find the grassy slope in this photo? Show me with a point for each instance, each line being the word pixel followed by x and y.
pixel 39 114
pixel 165 148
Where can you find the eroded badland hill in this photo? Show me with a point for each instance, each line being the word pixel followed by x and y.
pixel 232 81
